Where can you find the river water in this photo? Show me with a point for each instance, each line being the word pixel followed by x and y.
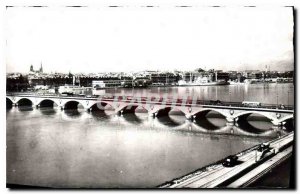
pixel 74 148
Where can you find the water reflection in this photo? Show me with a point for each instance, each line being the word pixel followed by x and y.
pixel 197 128
pixel 170 121
pixel 25 108
pixel 210 123
pixel 72 112
pixel 132 118
pixel 240 131
pixel 48 111
pixel 253 127
pixel 100 115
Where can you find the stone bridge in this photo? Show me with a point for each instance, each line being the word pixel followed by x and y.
pixel 123 105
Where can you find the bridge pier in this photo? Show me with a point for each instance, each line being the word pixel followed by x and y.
pixel 88 109
pixel 36 106
pixel 190 117
pixel 231 121
pixel 152 115
pixel 120 113
pixel 277 126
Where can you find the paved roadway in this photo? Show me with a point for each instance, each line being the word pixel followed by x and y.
pixel 253 165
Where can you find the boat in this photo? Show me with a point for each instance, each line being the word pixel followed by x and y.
pixel 202 82
pixel 236 83
pixel 259 81
pixel 284 80
pixel 71 89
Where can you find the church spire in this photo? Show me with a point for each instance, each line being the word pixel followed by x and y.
pixel 41 68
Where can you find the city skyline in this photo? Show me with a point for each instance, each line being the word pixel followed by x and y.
pixel 39 69
pixel 84 40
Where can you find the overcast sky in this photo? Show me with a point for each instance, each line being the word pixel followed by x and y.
pixel 139 38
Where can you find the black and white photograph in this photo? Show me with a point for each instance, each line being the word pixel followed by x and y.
pixel 149 96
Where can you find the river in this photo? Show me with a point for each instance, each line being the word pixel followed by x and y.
pixel 78 149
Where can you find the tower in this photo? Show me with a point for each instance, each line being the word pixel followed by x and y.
pixel 31 68
pixel 41 68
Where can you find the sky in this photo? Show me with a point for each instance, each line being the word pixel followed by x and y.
pixel 104 39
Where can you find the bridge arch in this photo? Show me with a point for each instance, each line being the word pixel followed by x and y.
pixel 47 103
pixel 179 110
pixel 9 103
pixel 99 106
pixel 10 98
pixel 247 113
pixel 204 111
pixel 288 122
pixel 25 102
pixel 286 118
pixel 254 127
pixel 72 104
pixel 131 108
pixel 170 123
pixel 163 111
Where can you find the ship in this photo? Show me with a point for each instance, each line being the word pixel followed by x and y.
pixel 203 81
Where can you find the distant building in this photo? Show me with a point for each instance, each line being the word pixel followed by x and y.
pixel 109 83
pixel 41 87
pixel 255 75
pixel 211 75
pixel 158 78
pixel 221 76
pixel 38 71
pixel 141 82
